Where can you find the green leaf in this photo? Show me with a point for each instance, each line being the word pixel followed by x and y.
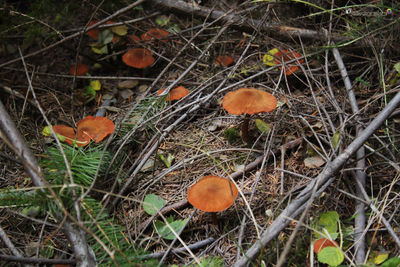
pixel 392 262
pixel 174 28
pixel 152 204
pixel 335 139
pixel 105 37
pixel 329 220
pixel 99 48
pixel 166 160
pixel 120 30
pixel 164 230
pixel 358 79
pixel 332 256
pixel 89 92
pixel 262 126
pixel 397 67
pixel 162 20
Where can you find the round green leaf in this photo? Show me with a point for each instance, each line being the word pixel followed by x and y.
pixel 329 220
pixel 392 262
pixel 152 203
pixel 332 256
pixel 165 231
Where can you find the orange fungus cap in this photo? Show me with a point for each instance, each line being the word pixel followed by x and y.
pixel 96 128
pixel 248 101
pixel 286 55
pixel 323 243
pixel 212 194
pixel 175 93
pixel 155 34
pixel 139 58
pixel 81 69
pixel 225 61
pixel 94 33
pixel 69 134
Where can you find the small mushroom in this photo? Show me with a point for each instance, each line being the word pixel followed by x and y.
pixel 68 135
pixel 94 33
pixel 97 128
pixel 138 58
pixel 155 33
pixel 80 68
pixel 323 243
pixel 224 61
pixel 248 101
pixel 175 94
pixel 212 194
pixel 285 55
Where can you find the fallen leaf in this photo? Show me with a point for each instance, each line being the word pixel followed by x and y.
pixel 314 162
pixel 128 84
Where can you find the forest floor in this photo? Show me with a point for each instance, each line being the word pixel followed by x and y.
pixel 332 73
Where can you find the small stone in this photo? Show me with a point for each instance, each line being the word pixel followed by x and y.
pixel 128 84
pixel 125 94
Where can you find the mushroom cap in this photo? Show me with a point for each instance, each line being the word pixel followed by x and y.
pixel 225 61
pixel 139 58
pixel 323 243
pixel 81 69
pixel 286 55
pixel 175 94
pixel 248 101
pixel 133 38
pixel 155 33
pixel 94 33
pixel 96 128
pixel 212 194
pixel 70 135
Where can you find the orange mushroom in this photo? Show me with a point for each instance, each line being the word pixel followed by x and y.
pixel 323 243
pixel 80 68
pixel 69 135
pixel 97 128
pixel 155 33
pixel 138 58
pixel 212 194
pixel 175 94
pixel 225 61
pixel 248 101
pixel 89 128
pixel 133 38
pixel 94 33
pixel 285 55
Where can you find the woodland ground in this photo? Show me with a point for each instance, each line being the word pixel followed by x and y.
pixel 315 107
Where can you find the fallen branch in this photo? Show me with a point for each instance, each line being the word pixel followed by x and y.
pixel 8 258
pixel 360 244
pixel 323 179
pixel 193 246
pixel 243 22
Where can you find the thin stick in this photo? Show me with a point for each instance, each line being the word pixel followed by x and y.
pixel 361 176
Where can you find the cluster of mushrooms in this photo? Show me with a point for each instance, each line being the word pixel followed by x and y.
pixel 213 193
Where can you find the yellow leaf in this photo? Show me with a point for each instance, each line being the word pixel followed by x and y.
pixel 380 258
pixel 96 85
pixel 269 58
pixel 46 131
pixel 121 30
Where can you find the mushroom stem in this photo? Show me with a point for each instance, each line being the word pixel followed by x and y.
pixel 214 218
pixel 245 129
